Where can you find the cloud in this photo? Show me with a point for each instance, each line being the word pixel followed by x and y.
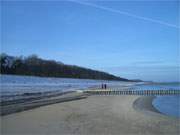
pixel 126 13
pixel 148 63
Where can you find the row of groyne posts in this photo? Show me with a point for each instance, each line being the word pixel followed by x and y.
pixel 133 92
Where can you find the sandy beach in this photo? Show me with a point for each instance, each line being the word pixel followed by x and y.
pixel 94 115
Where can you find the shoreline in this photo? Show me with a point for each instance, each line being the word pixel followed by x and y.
pixel 94 115
pixel 144 104
pixel 8 108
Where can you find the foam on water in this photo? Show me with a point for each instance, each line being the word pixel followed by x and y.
pixel 13 87
pixel 17 87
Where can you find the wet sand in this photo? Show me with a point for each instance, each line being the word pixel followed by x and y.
pixel 15 106
pixel 95 115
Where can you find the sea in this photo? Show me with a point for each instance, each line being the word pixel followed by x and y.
pixel 168 105
pixel 15 87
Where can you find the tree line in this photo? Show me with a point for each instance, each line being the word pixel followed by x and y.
pixel 35 66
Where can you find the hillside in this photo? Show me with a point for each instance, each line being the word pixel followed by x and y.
pixel 36 66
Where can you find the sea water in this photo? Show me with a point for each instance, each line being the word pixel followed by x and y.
pixel 168 105
pixel 15 86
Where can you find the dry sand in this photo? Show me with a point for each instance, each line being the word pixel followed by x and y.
pixel 95 115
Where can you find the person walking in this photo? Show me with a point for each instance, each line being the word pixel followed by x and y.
pixel 102 86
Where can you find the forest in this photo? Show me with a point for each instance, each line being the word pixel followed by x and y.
pixel 35 66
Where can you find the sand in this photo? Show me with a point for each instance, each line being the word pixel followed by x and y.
pixel 95 115
pixel 15 106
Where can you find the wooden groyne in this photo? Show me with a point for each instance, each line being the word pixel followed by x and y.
pixel 133 92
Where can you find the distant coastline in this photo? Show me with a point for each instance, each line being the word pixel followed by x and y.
pixel 35 66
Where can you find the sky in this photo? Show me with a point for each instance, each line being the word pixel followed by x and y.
pixel 132 39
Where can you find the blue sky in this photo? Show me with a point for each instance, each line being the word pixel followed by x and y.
pixel 132 39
